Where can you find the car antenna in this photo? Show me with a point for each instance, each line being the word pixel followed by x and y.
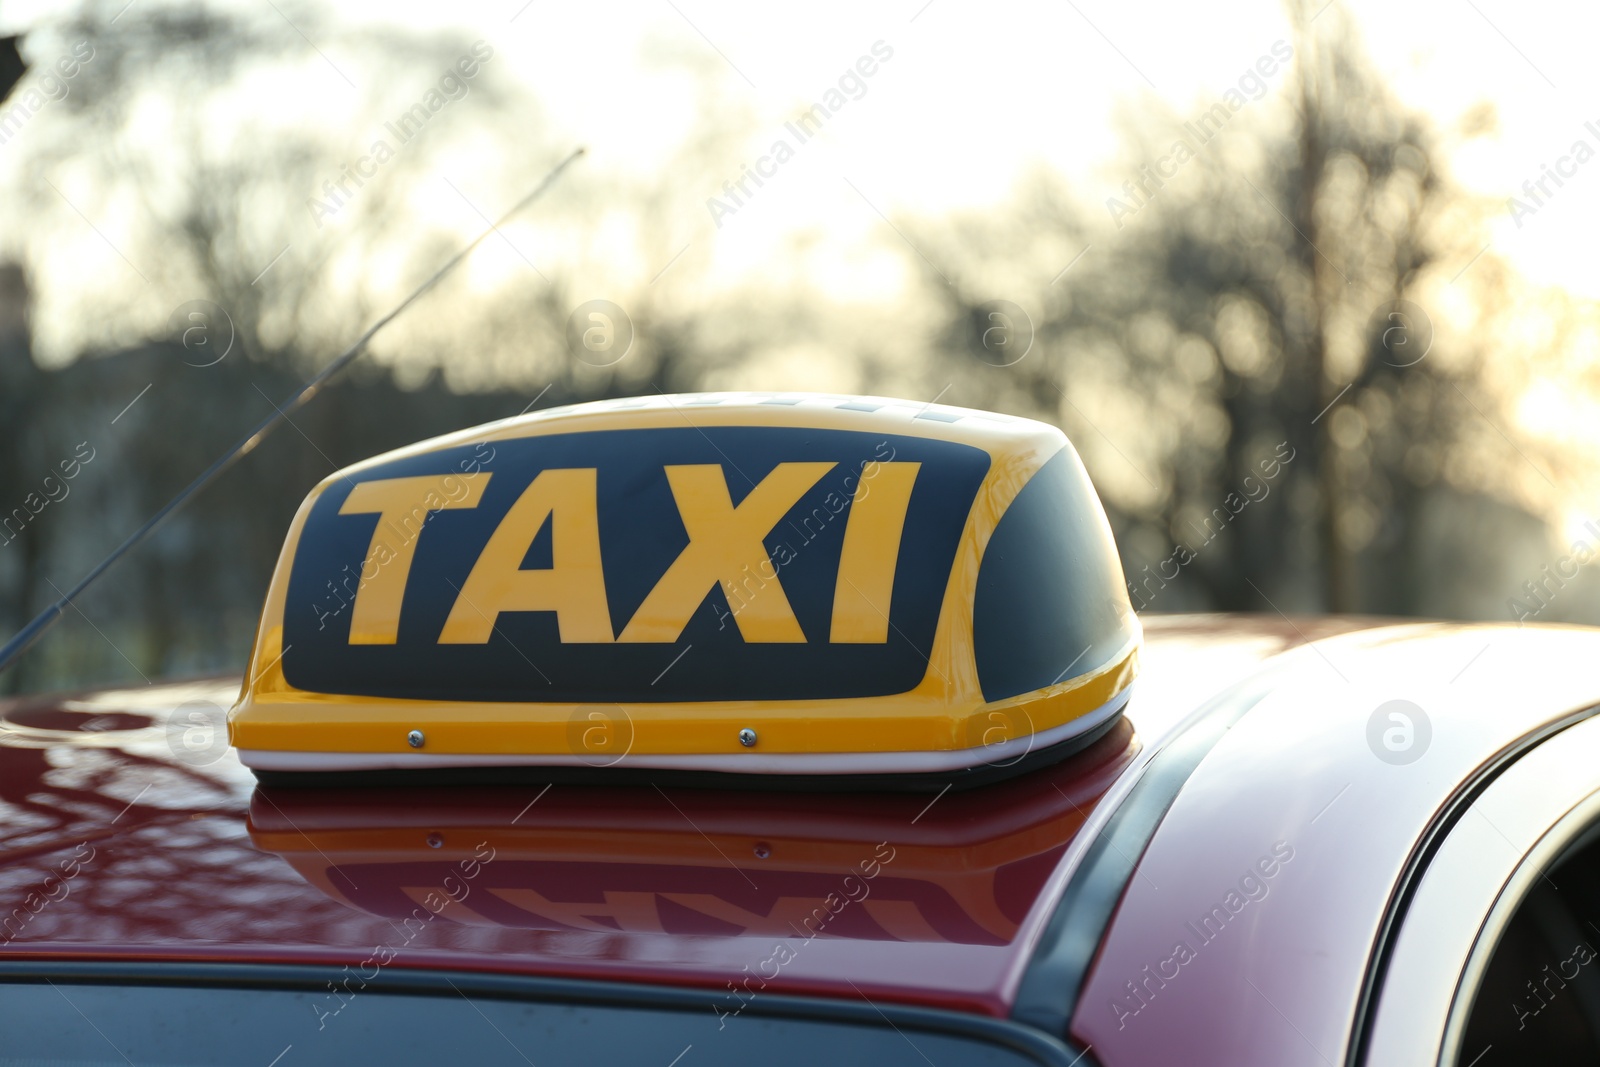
pixel 44 620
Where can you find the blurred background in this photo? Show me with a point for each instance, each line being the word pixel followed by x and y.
pixel 1307 284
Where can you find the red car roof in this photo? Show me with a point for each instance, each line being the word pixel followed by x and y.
pixel 113 847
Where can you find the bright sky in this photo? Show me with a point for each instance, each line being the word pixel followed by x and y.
pixel 977 93
pixel 973 96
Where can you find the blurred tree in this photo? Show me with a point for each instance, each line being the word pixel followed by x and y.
pixel 1246 309
pixel 213 206
pixel 20 381
pixel 183 126
pixel 11 66
pixel 213 140
pixel 1242 304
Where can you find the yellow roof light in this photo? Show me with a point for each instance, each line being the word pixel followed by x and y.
pixel 799 588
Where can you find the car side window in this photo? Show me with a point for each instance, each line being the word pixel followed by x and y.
pixel 1539 1000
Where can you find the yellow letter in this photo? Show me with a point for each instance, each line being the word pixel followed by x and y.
pixel 723 541
pixel 574 587
pixel 376 617
pixel 871 550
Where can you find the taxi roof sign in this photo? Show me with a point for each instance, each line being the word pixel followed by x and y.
pixel 786 585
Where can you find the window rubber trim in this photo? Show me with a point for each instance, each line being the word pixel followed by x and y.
pixel 1048 994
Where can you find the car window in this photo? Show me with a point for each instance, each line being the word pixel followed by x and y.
pixel 1539 1000
pixel 1492 959
pixel 62 1022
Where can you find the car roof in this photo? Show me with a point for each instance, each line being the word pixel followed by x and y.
pixel 117 843
pixel 1262 906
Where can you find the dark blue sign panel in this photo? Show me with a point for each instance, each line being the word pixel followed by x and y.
pixel 725 563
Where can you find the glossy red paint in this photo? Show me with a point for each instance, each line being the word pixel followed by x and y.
pixel 113 847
